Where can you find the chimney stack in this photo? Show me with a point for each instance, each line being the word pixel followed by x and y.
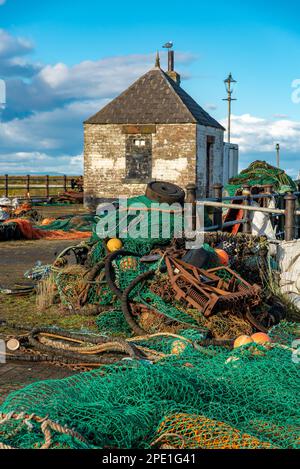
pixel 170 60
pixel 171 72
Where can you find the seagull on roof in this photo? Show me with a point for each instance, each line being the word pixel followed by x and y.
pixel 168 45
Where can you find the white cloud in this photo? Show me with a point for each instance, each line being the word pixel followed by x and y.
pixel 255 134
pixel 11 46
pixel 56 131
pixel 37 162
pixel 280 116
pixel 210 107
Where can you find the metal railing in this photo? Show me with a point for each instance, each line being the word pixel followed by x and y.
pixel 287 217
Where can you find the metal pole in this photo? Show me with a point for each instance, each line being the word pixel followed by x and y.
pixel 229 115
pixel 218 214
pixel 247 192
pixel 229 90
pixel 268 189
pixel 6 185
pixel 47 186
pixel 28 185
pixel 278 155
pixel 290 218
pixel 191 199
pixel 65 183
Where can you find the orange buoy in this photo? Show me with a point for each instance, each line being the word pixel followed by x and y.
pixel 242 340
pixel 223 256
pixel 260 338
pixel 47 221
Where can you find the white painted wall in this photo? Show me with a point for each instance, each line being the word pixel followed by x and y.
pixel 217 157
pixel 231 161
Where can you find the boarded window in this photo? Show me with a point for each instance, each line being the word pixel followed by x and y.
pixel 138 157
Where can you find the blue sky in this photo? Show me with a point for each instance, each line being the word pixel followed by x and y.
pixel 63 60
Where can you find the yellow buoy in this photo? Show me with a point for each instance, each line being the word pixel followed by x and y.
pixel 114 244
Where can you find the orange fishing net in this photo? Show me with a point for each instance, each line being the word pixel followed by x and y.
pixel 29 232
pixel 197 431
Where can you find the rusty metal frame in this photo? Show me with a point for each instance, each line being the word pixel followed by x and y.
pixel 206 291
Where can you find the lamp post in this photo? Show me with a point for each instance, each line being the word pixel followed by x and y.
pixel 277 155
pixel 228 82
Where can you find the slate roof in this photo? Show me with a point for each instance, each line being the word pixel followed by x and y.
pixel 153 99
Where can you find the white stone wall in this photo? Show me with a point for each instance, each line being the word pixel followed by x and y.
pixel 173 158
pixel 216 175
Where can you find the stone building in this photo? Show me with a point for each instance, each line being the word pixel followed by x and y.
pixel 152 131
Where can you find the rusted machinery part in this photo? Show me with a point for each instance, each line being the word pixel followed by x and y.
pixel 109 271
pixel 165 192
pixel 104 345
pixel 79 247
pixel 125 302
pixel 254 322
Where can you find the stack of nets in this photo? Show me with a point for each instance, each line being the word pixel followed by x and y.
pixel 260 173
pixel 192 398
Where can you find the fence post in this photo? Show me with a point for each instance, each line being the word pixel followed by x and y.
pixel 28 185
pixel 247 214
pixel 191 199
pixel 65 183
pixel 6 185
pixel 218 212
pixel 268 189
pixel 290 217
pixel 47 186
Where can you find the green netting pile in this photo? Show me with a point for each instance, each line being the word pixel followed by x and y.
pixel 113 323
pixel 260 173
pixel 71 222
pixel 148 224
pixel 208 398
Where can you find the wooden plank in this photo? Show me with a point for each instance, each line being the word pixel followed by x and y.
pixel 139 129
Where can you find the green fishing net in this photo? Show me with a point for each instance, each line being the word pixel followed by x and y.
pixel 71 222
pixel 113 323
pixel 260 173
pixel 248 397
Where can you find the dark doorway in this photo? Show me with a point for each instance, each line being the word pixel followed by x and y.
pixel 209 164
pixel 138 157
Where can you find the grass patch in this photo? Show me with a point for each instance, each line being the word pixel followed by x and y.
pixel 22 311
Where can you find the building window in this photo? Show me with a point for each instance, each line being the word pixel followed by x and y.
pixel 138 158
pixel 139 142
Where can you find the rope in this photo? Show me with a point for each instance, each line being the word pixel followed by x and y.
pixel 165 446
pixel 46 426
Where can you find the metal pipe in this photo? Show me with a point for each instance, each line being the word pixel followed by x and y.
pixel 247 228
pixel 234 222
pixel 245 207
